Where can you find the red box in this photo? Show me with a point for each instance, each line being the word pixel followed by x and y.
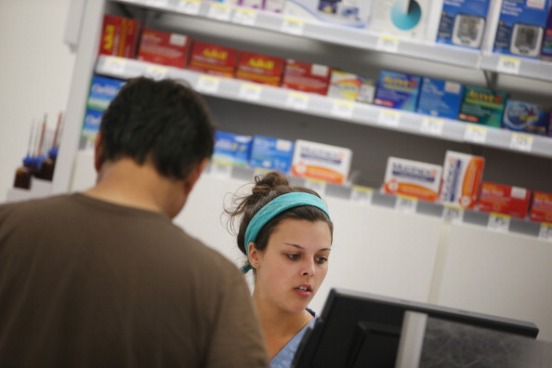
pixel 213 59
pixel 541 207
pixel 119 36
pixel 260 68
pixel 164 48
pixel 505 199
pixel 306 77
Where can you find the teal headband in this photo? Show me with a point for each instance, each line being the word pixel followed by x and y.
pixel 273 208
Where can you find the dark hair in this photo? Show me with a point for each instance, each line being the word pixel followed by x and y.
pixel 266 188
pixel 165 121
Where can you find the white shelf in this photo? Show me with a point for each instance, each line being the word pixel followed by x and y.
pixel 521 67
pixel 312 104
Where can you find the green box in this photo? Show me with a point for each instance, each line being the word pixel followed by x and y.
pixel 483 106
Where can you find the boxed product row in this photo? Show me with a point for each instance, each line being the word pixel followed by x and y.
pixel 459 182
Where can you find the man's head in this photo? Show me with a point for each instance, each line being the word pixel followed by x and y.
pixel 163 122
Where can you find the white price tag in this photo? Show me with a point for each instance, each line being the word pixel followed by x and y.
pixel 318 186
pixel 293 26
pixel 219 12
pixel 250 92
pixel 342 109
pixel 247 17
pixel 208 84
pixel 406 204
pixel 298 101
pixel 155 72
pixel 521 142
pixel 189 6
pixel 221 169
pixel 475 134
pixel 389 118
pixel 545 232
pixel 387 44
pixel 157 3
pixel 498 222
pixel 432 126
pixel 114 65
pixel 453 214
pixel 507 64
pixel 361 195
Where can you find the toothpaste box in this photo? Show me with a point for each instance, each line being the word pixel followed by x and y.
pixel 119 36
pixel 462 22
pixel 541 207
pixel 398 90
pixel 520 27
pixel 306 77
pixel 412 178
pixel 321 161
pixel 102 91
pixel 505 199
pixel 260 68
pixel 440 98
pixel 213 59
pixel 231 149
pixel 271 153
pixel 462 178
pixel 164 48
pixel 525 117
pixel 349 86
pixel 483 106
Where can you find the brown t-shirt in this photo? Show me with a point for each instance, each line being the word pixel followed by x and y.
pixel 87 283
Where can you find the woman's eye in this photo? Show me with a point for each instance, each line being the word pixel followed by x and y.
pixel 321 260
pixel 293 257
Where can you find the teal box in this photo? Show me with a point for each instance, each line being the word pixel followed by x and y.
pixel 271 153
pixel 232 149
pixel 525 117
pixel 483 106
pixel 102 91
pixel 398 90
pixel 440 98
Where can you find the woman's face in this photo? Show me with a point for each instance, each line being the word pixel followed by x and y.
pixel 293 265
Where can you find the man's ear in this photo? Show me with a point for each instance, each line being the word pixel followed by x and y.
pixel 194 175
pixel 98 151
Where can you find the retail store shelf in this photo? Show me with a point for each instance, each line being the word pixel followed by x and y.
pixel 348 111
pixel 522 67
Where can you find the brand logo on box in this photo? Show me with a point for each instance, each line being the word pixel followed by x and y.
pixel 485 97
pixel 400 82
pixel 261 63
pixel 216 54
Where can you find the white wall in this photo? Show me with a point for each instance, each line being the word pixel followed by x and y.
pixel 35 72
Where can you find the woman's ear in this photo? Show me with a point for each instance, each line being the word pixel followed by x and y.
pixel 253 255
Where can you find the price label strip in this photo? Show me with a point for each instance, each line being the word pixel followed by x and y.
pixel 318 186
pixel 545 231
pixel 507 64
pixel 298 101
pixel 247 17
pixel 387 44
pixel 389 118
pixel 115 65
pixel 406 204
pixel 189 6
pixel 155 72
pixel 250 92
pixel 498 222
pixel 475 134
pixel 342 109
pixel 219 12
pixel 157 3
pixel 293 26
pixel 432 126
pixel 208 84
pixel 521 142
pixel 361 195
pixel 453 214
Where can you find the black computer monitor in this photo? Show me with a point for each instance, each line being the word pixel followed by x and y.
pixel 358 330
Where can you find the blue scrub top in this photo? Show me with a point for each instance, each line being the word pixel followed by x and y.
pixel 284 358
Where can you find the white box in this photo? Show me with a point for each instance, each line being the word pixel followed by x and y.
pixel 412 178
pixel 321 161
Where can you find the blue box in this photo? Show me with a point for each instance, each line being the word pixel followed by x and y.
pixel 462 22
pixel 232 149
pixel 91 124
pixel 102 91
pixel 440 98
pixel 525 117
pixel 398 90
pixel 271 153
pixel 520 27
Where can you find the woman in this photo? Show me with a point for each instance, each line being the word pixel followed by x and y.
pixel 286 234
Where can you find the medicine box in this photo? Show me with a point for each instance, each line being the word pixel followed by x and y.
pixel 321 161
pixel 525 117
pixel 276 6
pixel 231 149
pixel 91 124
pixel 504 199
pixel 397 90
pixel 349 86
pixel 541 207
pixel 412 178
pixel 462 22
pixel 483 106
pixel 521 27
pixel 462 178
pixel 119 36
pixel 306 77
pixel 271 153
pixel 213 59
pixel 164 48
pixel 102 91
pixel 348 13
pixel 260 68
pixel 414 20
pixel 440 98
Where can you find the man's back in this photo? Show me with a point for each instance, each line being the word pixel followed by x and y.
pixel 85 282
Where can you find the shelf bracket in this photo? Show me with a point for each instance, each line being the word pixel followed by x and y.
pixel 491 78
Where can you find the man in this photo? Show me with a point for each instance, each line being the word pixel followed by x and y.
pixel 104 278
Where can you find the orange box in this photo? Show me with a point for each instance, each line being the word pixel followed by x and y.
pixel 462 178
pixel 541 207
pixel 260 68
pixel 164 48
pixel 306 77
pixel 505 199
pixel 119 36
pixel 213 59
